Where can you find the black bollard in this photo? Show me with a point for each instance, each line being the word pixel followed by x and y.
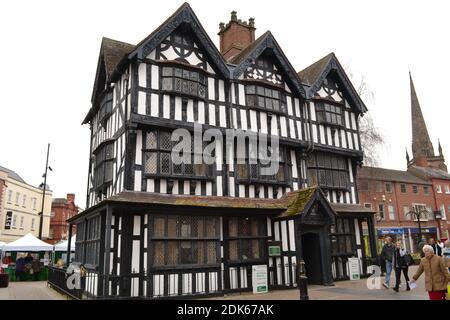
pixel 302 280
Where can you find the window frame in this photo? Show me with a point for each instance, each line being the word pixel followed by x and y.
pixel 246 241
pixel 163 241
pixel 256 94
pixel 200 74
pixel 103 163
pixel 338 231
pixel 259 178
pixel 403 188
pixel 322 165
pixel 158 150
pixel 322 114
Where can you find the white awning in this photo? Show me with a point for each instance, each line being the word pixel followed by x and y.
pixel 27 243
pixel 62 245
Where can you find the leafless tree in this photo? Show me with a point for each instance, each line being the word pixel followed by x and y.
pixel 372 139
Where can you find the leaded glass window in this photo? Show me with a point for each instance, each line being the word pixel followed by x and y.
pixel 265 98
pixel 157 157
pixel 329 113
pixel 246 238
pixel 185 240
pixel 328 171
pixel 192 83
pixel 342 237
pixel 103 171
pixel 255 169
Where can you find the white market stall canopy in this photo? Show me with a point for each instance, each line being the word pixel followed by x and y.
pixel 62 245
pixel 27 243
pixel 2 244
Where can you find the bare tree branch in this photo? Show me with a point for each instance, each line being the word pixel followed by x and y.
pixel 371 137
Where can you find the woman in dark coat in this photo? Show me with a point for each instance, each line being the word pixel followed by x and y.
pixel 399 264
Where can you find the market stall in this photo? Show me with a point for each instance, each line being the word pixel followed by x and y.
pixel 26 259
pixel 60 250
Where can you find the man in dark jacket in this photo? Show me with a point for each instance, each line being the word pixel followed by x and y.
pixel 387 253
pixel 436 248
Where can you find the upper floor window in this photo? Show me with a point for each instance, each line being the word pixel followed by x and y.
pixel 265 98
pixel 363 185
pixel 388 187
pixel 405 213
pixel 328 171
pixel 391 212
pixel 381 210
pixel 10 193
pixel 403 188
pixel 438 188
pixel 14 221
pixel 176 79
pixel 443 213
pixel 378 186
pixel 447 189
pixel 157 155
pixel 104 165
pixel 21 222
pixel 415 189
pixel 253 170
pixel 32 223
pixel 329 113
pixel 368 205
pixel 105 107
pixel 17 198
pixel 426 190
pixel 33 203
pixel 24 199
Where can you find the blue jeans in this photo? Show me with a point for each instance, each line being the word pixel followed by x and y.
pixel 388 272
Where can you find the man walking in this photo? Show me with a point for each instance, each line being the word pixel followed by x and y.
pixel 436 247
pixel 387 253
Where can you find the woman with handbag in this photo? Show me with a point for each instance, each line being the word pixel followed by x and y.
pixel 400 264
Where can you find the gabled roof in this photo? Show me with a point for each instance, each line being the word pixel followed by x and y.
pixel 12 174
pixel 266 42
pixel 382 174
pixel 184 14
pixel 314 75
pixel 113 51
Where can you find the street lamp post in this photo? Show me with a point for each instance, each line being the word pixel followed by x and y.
pixel 417 213
pixel 41 219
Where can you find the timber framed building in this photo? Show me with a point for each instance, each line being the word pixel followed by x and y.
pixel 156 229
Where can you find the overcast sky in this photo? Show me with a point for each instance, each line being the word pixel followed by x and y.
pixel 50 49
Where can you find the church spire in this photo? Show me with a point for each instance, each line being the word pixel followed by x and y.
pixel 439 148
pixel 421 143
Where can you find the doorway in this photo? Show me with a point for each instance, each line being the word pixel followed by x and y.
pixel 312 257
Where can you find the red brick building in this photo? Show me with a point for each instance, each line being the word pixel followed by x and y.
pixel 62 209
pixel 424 187
pixel 392 194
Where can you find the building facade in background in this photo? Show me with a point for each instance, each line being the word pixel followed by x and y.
pixel 62 209
pixel 423 187
pixel 154 228
pixel 393 194
pixel 21 205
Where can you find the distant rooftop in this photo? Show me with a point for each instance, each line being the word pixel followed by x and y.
pixel 383 174
pixel 12 174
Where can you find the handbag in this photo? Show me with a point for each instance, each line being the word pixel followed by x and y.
pixel 409 261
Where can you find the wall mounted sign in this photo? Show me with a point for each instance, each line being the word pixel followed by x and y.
pixel 274 250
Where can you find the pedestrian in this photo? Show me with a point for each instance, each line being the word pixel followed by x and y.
pixel 36 267
pixel 387 253
pixel 446 253
pixel 399 264
pixel 437 275
pixel 436 248
pixel 20 268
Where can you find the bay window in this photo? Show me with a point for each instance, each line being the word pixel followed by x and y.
pixel 329 113
pixel 265 98
pixel 180 80
pixel 328 171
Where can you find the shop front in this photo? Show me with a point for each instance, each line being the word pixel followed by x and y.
pixel 409 236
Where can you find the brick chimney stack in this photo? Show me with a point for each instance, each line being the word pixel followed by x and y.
pixel 71 197
pixel 235 36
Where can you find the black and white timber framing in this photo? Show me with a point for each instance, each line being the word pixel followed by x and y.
pixel 137 246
